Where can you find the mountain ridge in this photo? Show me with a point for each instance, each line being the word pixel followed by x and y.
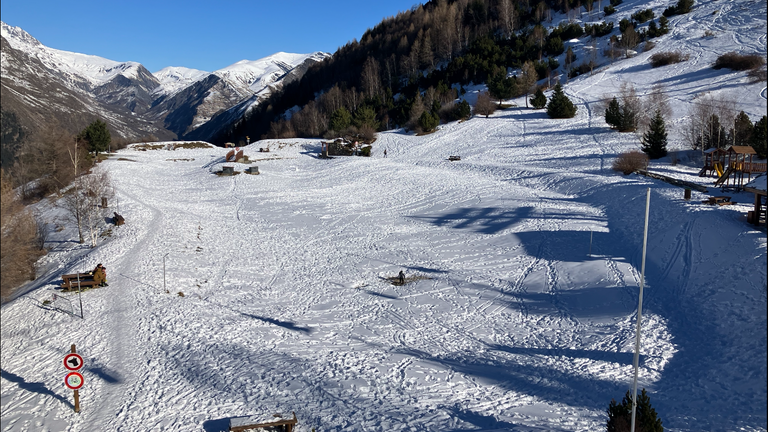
pixel 135 101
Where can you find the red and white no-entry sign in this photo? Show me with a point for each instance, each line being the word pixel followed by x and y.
pixel 73 362
pixel 74 380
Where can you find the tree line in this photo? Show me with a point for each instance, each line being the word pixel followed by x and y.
pixel 400 67
pixel 50 162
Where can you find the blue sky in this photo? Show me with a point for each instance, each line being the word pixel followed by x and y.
pixel 196 34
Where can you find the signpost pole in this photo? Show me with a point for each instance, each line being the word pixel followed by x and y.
pixel 164 288
pixel 80 298
pixel 77 393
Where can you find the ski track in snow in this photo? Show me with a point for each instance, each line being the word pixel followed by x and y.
pixel 507 322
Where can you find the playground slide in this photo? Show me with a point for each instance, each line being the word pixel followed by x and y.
pixel 719 169
pixel 723 178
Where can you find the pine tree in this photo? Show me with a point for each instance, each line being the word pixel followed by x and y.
pixel 463 110
pixel 628 119
pixel 428 122
pixel 620 415
pixel 501 87
pixel 559 105
pixel 613 113
pixel 340 120
pixel 97 136
pixel 758 139
pixel 539 101
pixel 743 129
pixel 655 140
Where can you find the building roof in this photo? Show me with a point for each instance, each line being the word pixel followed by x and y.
pixel 742 149
pixel 714 149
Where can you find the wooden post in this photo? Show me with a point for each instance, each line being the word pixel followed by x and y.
pixel 687 194
pixel 77 393
pixel 103 202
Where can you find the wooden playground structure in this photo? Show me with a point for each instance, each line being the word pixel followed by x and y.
pixel 731 166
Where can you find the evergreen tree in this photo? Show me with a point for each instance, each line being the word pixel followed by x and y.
pixel 97 136
pixel 655 139
pixel 428 122
pixel 759 138
pixel 620 415
pixel 501 86
pixel 340 120
pixel 628 119
pixel 663 25
pixel 463 110
pixel 613 113
pixel 365 116
pixel 743 129
pixel 559 105
pixel 712 134
pixel 539 101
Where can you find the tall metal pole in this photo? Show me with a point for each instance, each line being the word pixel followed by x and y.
pixel 166 290
pixel 640 310
pixel 79 297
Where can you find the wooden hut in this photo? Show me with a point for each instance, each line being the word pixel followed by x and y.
pixel 758 187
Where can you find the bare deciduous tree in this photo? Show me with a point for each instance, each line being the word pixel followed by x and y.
pixel 484 105
pixel 371 77
pixel 657 99
pixel 17 245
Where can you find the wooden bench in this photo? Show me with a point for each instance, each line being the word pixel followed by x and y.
pixel 275 422
pixel 70 281
pixel 719 200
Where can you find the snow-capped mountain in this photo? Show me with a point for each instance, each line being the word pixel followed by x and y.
pixel 185 108
pixel 168 104
pixel 173 79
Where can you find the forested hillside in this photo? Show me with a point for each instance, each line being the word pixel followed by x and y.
pixel 372 84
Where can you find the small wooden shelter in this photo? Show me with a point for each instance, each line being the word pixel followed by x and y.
pixel 758 187
pixel 274 422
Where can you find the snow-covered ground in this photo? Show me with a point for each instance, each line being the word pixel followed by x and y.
pixel 522 263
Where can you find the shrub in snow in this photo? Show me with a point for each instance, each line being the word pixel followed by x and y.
pixel 620 415
pixel 667 58
pixel 736 61
pixel 630 162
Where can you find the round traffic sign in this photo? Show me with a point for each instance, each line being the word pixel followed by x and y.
pixel 74 380
pixel 73 361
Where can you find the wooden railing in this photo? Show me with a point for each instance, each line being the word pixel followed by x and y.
pixel 750 167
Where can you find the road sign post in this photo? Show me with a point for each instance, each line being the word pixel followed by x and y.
pixel 74 380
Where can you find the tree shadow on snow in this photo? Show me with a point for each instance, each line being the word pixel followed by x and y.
pixel 492 220
pixel 34 387
pixel 532 379
pixel 288 325
pixel 218 425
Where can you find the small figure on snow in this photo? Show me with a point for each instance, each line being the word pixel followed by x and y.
pixel 385 152
pixel 401 277
pixel 100 275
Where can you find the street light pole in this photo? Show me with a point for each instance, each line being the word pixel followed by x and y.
pixel 640 311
